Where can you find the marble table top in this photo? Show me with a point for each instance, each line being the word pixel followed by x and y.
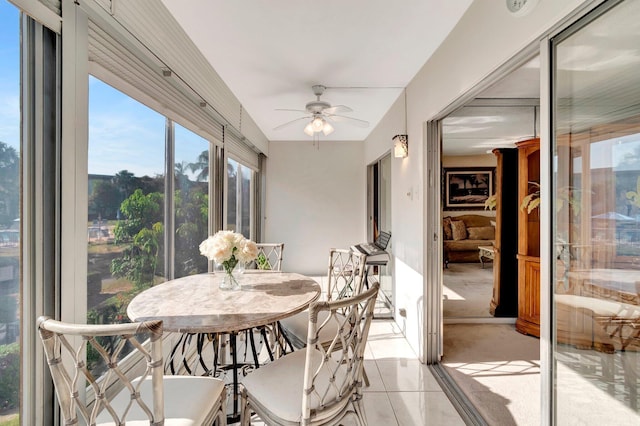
pixel 618 284
pixel 195 304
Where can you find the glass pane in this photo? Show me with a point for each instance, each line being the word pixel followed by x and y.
pixel 596 188
pixel 191 201
pixel 126 198
pixel 232 195
pixel 9 212
pixel 384 224
pixel 245 188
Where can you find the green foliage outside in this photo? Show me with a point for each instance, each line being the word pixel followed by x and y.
pixel 140 234
pixel 9 189
pixel 136 252
pixel 13 421
pixel 105 199
pixel 192 212
pixel 141 231
pixel 9 376
pixel 107 193
pixel 262 262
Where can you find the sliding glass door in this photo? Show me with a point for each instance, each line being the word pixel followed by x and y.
pixel 380 219
pixel 595 174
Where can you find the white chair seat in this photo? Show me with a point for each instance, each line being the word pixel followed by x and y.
pixel 284 401
pixel 184 397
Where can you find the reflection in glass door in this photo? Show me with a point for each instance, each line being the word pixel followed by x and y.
pixel 380 219
pixel 596 218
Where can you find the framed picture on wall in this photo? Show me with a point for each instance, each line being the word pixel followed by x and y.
pixel 467 188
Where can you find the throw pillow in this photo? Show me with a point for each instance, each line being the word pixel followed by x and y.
pixel 481 232
pixel 459 230
pixel 446 225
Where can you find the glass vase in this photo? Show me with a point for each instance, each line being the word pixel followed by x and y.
pixel 230 279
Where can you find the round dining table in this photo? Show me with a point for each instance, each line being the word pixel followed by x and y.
pixel 196 304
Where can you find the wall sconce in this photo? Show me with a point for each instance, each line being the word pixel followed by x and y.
pixel 400 146
pixel 401 142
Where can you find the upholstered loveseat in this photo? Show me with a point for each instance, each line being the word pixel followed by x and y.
pixel 463 234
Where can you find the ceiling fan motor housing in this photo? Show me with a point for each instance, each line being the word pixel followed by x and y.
pixel 318 89
pixel 317 106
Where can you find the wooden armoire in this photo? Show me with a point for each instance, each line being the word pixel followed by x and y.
pixel 504 301
pixel 528 321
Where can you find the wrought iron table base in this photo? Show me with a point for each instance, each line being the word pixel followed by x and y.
pixel 181 349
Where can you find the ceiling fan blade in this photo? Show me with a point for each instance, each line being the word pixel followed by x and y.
pixel 354 121
pixel 337 108
pixel 290 122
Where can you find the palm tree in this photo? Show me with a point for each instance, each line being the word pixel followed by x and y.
pixel 201 166
pixel 182 180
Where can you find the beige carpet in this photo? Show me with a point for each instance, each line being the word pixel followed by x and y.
pixel 498 369
pixel 467 290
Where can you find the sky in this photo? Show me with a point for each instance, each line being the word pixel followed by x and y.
pixel 123 133
pixel 126 135
pixel 9 75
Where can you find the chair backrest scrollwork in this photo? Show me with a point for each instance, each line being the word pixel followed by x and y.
pixel 269 257
pixel 334 369
pixel 345 276
pixel 66 346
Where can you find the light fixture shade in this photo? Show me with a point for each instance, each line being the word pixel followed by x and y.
pixel 400 146
pixel 327 129
pixel 318 124
pixel 308 129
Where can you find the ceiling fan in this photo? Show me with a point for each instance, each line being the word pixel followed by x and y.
pixel 320 114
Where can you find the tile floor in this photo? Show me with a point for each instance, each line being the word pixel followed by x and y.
pixel 402 391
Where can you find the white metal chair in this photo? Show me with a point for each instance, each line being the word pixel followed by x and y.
pixel 269 257
pixel 345 278
pixel 112 398
pixel 321 384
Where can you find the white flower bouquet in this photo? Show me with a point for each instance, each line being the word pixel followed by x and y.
pixel 229 248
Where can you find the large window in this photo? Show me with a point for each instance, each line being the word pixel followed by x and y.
pixel 596 218
pixel 191 201
pixel 240 181
pixel 125 227
pixel 9 210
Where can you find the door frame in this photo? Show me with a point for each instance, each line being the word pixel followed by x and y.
pixel 432 159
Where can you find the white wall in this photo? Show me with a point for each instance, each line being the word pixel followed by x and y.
pixel 486 37
pixel 315 200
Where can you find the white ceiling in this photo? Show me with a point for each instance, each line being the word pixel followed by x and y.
pixel 270 53
pixel 505 113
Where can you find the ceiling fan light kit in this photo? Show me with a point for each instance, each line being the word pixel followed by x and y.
pixel 320 113
pixel 327 129
pixel 318 125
